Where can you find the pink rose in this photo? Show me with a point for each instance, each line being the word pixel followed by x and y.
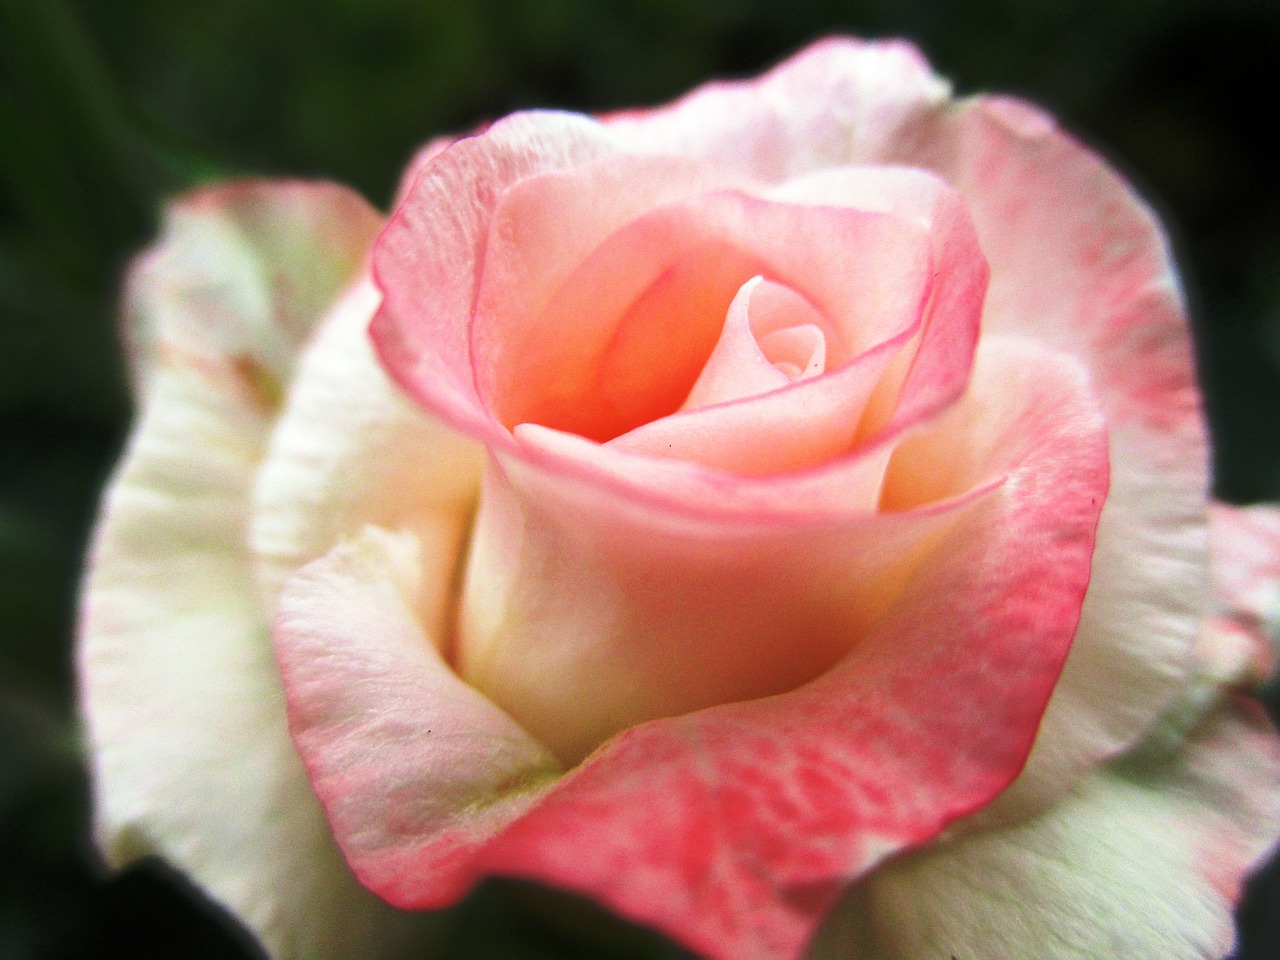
pixel 790 520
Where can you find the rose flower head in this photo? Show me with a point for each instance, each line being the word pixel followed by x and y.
pixel 781 516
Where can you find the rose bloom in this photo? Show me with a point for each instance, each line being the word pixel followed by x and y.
pixel 780 516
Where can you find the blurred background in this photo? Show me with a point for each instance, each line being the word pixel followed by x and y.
pixel 109 106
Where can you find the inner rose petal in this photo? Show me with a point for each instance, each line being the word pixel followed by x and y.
pixel 627 335
pixel 584 612
pixel 799 352
pixel 744 363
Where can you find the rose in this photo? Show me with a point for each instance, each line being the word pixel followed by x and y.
pixel 775 565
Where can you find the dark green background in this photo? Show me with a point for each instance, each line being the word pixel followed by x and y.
pixel 106 107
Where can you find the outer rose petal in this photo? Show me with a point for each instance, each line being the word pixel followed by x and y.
pixel 1079 262
pixel 1246 560
pixel 246 270
pixel 1144 859
pixel 190 754
pixel 836 100
pixel 1236 646
pixel 733 828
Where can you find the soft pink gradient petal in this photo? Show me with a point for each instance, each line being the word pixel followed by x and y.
pixel 627 334
pixel 414 767
pixel 189 751
pixel 836 100
pixel 933 372
pixel 900 374
pixel 426 259
pixel 1144 858
pixel 543 230
pixel 421 157
pixel 1079 262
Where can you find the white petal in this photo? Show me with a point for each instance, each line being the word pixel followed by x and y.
pixel 190 754
pixel 350 450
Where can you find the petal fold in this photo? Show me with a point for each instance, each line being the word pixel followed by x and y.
pixel 414 767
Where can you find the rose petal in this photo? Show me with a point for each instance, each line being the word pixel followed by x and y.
pixel 425 262
pixel 626 335
pixel 770 606
pixel 1077 261
pixel 190 754
pixel 1143 859
pixel 413 766
pixel 243 273
pixel 348 450
pixel 738 366
pixel 543 229
pixel 908 372
pixel 1245 545
pixel 1236 647
pixel 836 100
pixel 733 827
pixel 583 628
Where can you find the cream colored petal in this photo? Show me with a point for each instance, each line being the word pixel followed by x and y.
pixel 184 714
pixel 349 450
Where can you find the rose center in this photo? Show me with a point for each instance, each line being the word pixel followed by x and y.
pixel 772 336
pixel 797 352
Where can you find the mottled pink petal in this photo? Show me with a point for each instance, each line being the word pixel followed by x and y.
pixel 733 828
